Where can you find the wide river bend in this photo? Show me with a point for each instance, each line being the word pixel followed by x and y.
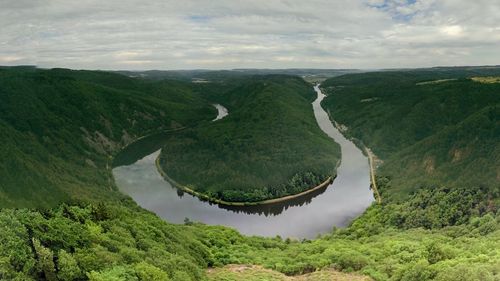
pixel 305 217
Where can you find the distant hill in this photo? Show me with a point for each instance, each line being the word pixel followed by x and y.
pixel 218 75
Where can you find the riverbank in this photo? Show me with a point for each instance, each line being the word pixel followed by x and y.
pixel 152 134
pixel 153 145
pixel 369 154
pixel 148 144
pixel 205 197
pixel 372 175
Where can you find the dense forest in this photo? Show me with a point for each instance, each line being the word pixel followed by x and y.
pixel 443 230
pixel 268 147
pixel 60 128
pixel 430 128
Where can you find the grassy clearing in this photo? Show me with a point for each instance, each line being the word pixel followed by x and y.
pixel 487 80
pixel 235 272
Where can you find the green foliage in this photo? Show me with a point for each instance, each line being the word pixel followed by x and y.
pixel 117 273
pixel 427 134
pixel 60 128
pixel 350 261
pixel 45 259
pixel 17 259
pixel 269 146
pixel 148 272
pixel 257 273
pixel 467 272
pixel 67 267
pixel 130 244
pixel 440 207
pixel 390 254
pixel 415 271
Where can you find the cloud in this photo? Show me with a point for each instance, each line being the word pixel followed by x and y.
pixel 10 59
pixel 168 34
pixel 452 30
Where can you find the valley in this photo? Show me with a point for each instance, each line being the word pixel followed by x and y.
pixel 268 147
pixel 250 140
pixel 304 216
pixel 74 217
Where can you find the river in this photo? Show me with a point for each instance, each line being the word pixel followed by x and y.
pixel 305 217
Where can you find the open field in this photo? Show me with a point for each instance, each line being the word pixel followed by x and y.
pixel 490 79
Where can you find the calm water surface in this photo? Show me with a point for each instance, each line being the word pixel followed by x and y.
pixel 306 217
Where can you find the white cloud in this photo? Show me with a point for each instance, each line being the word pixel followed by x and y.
pixel 452 30
pixel 168 34
pixel 10 59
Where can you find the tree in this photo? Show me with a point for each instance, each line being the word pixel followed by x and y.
pixel 45 261
pixel 67 267
pixel 117 273
pixel 465 272
pixel 148 272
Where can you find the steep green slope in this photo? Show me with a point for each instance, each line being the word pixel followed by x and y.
pixel 268 147
pixel 465 154
pixel 60 128
pixel 428 131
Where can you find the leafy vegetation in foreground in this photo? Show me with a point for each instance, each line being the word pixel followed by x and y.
pixel 111 242
pixel 427 134
pixel 60 128
pixel 269 146
pixel 466 252
pixel 98 243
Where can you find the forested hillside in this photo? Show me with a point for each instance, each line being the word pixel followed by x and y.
pixel 269 146
pixel 431 128
pixel 60 129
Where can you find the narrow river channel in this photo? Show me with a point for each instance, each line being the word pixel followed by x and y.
pixel 306 217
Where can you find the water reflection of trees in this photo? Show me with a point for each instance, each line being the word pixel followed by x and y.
pixel 150 144
pixel 275 209
pixel 267 210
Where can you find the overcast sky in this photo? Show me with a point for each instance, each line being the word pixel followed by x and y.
pixel 224 34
